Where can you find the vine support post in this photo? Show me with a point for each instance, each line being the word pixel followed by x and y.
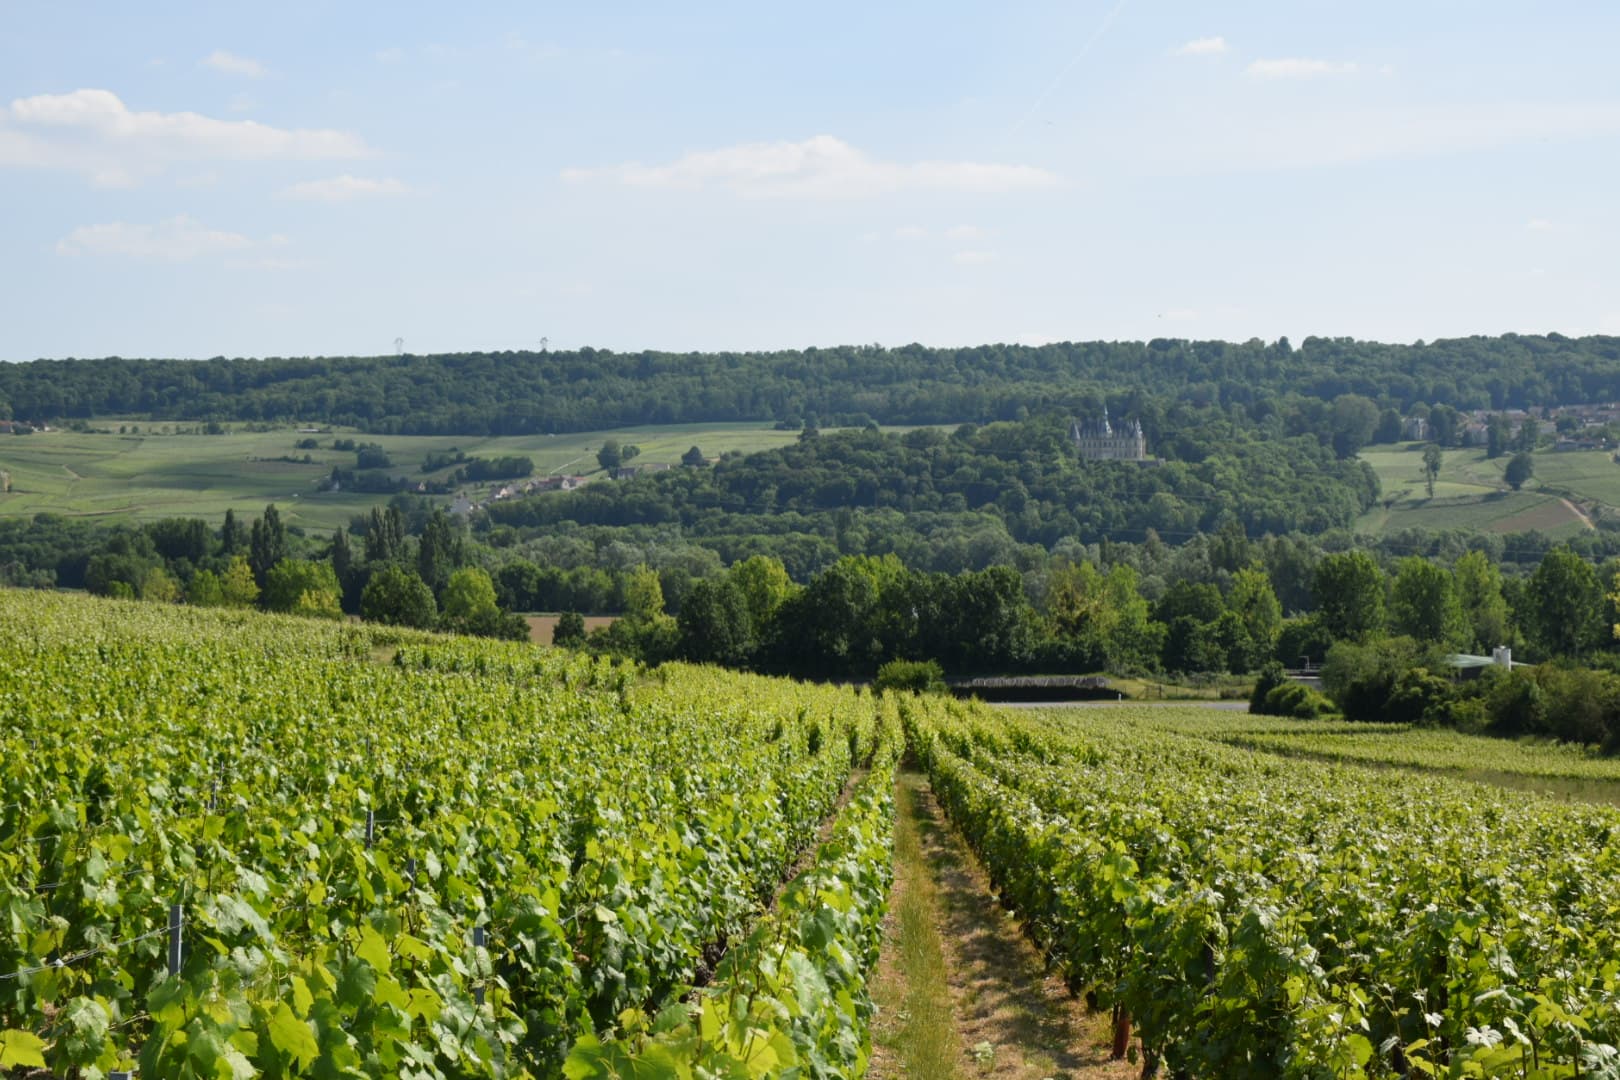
pixel 177 922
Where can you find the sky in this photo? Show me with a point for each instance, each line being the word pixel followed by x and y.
pixel 301 179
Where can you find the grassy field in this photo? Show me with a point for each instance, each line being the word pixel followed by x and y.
pixel 1471 494
pixel 156 475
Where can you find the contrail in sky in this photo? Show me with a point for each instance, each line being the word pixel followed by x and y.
pixel 1102 28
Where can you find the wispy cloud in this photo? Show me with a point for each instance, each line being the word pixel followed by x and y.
pixel 1204 46
pixel 175 239
pixel 344 188
pixel 1288 136
pixel 1300 68
pixel 974 258
pixel 94 132
pixel 818 167
pixel 231 64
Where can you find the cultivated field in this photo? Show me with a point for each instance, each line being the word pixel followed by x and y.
pixel 155 475
pixel 1250 913
pixel 234 844
pixel 1470 493
pixel 299 848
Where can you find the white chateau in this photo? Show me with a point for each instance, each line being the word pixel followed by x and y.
pixel 1099 440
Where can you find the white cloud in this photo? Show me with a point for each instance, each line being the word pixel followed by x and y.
pixel 974 258
pixel 1297 68
pixel 390 56
pixel 177 238
pixel 818 167
pixel 961 233
pixel 231 64
pixel 1204 46
pixel 94 132
pixel 911 232
pixel 1540 224
pixel 343 188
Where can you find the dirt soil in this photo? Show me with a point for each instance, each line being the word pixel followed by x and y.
pixel 1011 1019
pixel 541 627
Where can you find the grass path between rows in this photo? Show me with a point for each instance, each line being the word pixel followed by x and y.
pixel 960 990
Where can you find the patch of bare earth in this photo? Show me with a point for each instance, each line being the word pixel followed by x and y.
pixel 1010 1019
pixel 542 627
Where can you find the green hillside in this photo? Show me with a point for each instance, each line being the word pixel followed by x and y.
pixel 155 475
pixel 1568 491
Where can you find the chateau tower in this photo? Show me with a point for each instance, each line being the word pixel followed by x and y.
pixel 1099 440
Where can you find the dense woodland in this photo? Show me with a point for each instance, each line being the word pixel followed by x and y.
pixel 589 389
pixel 1025 476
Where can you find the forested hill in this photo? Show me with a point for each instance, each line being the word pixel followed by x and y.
pixel 1026 474
pixel 524 392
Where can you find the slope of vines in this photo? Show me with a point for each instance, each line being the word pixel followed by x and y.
pixel 393 855
pixel 1259 917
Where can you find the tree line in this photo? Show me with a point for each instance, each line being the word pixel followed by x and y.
pixel 1381 625
pixel 517 393
pixel 418 574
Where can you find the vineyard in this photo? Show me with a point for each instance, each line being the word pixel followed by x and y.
pixel 1444 750
pixel 234 845
pixel 1247 915
pixel 237 846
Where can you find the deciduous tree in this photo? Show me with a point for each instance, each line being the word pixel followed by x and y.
pixel 1432 460
pixel 396 595
pixel 1562 614
pixel 302 587
pixel 1520 467
pixel 1349 590
pixel 1423 604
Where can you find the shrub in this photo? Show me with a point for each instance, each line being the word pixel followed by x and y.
pixel 1271 677
pixel 1419 697
pixel 1362 679
pixel 918 676
pixel 569 633
pixel 1297 701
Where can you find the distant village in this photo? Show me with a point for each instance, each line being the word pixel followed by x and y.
pixel 1571 427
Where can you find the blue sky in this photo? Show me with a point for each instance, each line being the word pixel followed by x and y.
pixel 306 179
